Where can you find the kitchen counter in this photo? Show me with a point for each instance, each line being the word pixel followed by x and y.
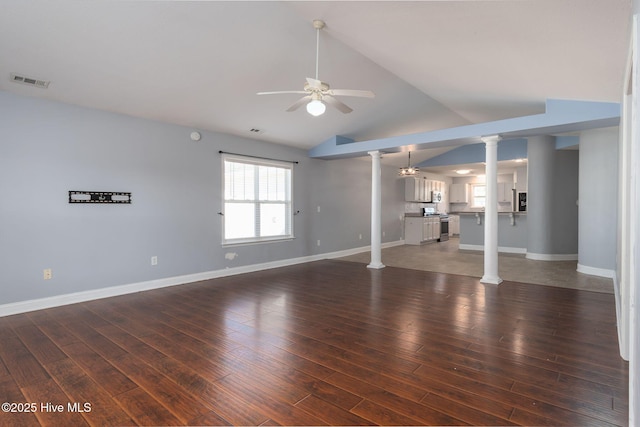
pixel 482 213
pixel 419 215
pixel 512 231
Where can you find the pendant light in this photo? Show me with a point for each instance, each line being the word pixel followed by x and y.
pixel 408 170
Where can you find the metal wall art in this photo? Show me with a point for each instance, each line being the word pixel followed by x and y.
pixel 99 197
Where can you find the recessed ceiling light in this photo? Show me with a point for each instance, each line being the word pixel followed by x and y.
pixel 462 171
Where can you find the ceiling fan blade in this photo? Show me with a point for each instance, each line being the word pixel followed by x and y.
pixel 280 92
pixel 350 92
pixel 337 104
pixel 300 102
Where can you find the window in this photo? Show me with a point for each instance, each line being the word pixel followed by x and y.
pixel 257 200
pixel 478 195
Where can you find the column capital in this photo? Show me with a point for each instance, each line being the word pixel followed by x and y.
pixel 375 153
pixel 491 139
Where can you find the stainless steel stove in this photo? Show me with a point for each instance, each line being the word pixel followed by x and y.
pixel 444 228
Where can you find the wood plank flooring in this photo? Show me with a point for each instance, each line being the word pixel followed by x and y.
pixel 323 343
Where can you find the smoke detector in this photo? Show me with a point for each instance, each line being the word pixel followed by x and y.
pixel 17 78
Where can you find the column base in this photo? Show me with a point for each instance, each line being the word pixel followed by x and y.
pixel 376 266
pixel 492 280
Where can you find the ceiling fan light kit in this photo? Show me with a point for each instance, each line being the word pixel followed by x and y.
pixel 318 93
pixel 316 108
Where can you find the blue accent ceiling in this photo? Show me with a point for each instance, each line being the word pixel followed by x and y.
pixel 560 116
pixel 508 149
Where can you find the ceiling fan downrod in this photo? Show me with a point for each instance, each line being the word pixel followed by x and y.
pixel 318 25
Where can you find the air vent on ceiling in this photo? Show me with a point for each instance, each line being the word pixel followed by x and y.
pixel 17 78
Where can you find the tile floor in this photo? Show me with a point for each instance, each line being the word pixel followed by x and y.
pixel 445 257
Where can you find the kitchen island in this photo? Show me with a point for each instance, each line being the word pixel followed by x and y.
pixel 421 229
pixel 512 231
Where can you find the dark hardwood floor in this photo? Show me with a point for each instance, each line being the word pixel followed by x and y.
pixel 328 342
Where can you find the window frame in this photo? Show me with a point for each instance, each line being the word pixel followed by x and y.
pixel 288 203
pixel 473 196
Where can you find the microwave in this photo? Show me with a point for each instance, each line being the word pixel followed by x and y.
pixel 436 196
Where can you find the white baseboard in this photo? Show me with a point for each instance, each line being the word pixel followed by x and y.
pixel 502 249
pixel 593 271
pixel 76 297
pixel 348 252
pixel 523 251
pixel 467 247
pixel 552 257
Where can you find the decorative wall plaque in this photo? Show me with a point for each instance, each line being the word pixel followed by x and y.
pixel 99 197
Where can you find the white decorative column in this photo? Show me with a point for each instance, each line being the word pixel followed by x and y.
pixel 491 212
pixel 376 211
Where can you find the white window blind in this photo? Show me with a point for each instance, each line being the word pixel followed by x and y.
pixel 479 195
pixel 257 200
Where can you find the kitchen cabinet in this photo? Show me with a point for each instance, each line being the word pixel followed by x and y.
pixel 459 193
pixel 505 194
pixel 454 225
pixel 420 189
pixel 414 190
pixel 419 230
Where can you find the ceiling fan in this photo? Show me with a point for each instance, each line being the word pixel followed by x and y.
pixel 317 92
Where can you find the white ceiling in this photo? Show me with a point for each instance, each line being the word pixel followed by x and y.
pixel 432 64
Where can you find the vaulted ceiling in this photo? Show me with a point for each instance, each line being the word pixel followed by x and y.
pixel 432 64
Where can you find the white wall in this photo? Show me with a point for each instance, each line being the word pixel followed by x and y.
pixel 628 270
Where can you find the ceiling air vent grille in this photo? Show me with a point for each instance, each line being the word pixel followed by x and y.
pixel 17 78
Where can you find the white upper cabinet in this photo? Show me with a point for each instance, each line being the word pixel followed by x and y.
pixel 414 190
pixel 420 189
pixel 505 193
pixel 459 193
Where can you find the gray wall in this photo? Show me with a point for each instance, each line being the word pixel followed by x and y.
pixel 48 148
pixel 552 212
pixel 598 190
pixel 342 190
pixel 510 236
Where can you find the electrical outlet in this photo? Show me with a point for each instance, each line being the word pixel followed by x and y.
pixel 154 260
pixel 318 242
pixel 360 236
pixel 318 209
pixel 47 274
pixel 384 233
